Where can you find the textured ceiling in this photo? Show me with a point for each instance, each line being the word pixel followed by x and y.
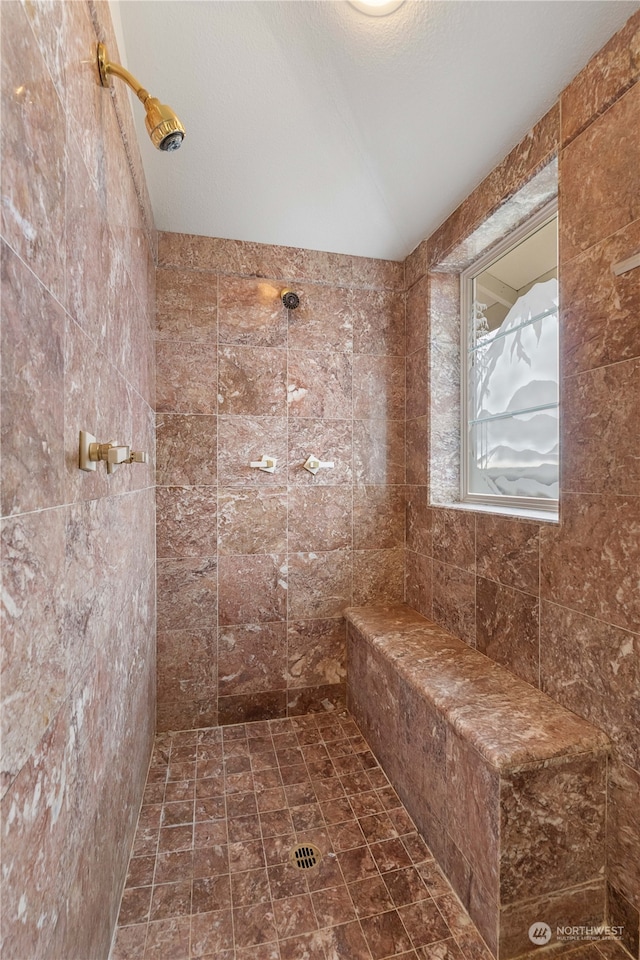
pixel 310 124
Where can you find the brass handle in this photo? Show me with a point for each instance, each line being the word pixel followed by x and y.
pixel 112 453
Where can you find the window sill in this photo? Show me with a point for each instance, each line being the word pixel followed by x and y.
pixel 517 513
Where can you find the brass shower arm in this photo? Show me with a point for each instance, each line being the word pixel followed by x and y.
pixel 163 126
pixel 107 68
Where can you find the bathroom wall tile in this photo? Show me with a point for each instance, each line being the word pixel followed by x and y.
pixel 33 156
pixel 593 669
pixel 423 757
pixel 454 601
pixel 186 665
pixel 320 518
pixel 574 851
pixel 507 628
pixel 323 321
pixel 623 914
pixel 252 589
pixel 378 387
pixel 473 804
pixel 378 451
pixel 418 369
pixel 599 311
pixel 329 440
pixel 381 274
pixel 186 305
pixel 252 658
pixel 186 375
pixel 378 322
pixel 319 584
pixel 417 451
pixel 88 380
pixel 378 575
pixel 117 325
pixel 252 521
pixel 623 830
pixel 250 312
pixel 378 517
pixel 187 591
pixel 589 562
pixel 186 449
pixel 242 440
pixel 32 328
pixel 319 385
pixel 610 179
pixel 33 639
pixel 35 814
pixel 507 550
pixel 224 256
pixel 419 521
pixel 186 521
pixel 253 706
pixel 483 909
pixel 416 265
pixel 72 847
pixel 419 583
pixel 252 381
pixel 331 697
pixel 86 229
pixel 603 80
pixel 577 906
pixel 418 323
pixel 454 538
pixel 191 715
pixel 599 433
pixel 316 653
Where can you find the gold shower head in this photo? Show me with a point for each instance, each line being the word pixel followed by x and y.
pixel 163 126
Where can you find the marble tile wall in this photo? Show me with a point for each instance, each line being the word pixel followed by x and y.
pixel 77 549
pixel 558 604
pixel 255 569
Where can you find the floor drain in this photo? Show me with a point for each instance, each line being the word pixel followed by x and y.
pixel 305 856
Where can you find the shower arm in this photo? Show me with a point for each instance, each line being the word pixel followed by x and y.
pixel 107 69
pixel 163 126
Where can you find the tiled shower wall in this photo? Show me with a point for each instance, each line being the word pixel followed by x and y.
pixel 558 604
pixel 78 607
pixel 255 569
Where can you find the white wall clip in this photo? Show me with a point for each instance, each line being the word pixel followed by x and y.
pixel 267 464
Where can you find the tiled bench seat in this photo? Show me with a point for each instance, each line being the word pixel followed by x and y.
pixel 506 786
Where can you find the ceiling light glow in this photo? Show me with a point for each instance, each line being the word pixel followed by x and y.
pixel 376 8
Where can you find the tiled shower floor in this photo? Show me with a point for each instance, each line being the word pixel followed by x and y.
pixel 210 877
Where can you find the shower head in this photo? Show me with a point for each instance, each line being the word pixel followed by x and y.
pixel 290 299
pixel 163 126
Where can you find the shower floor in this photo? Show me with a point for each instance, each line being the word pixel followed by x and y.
pixel 210 875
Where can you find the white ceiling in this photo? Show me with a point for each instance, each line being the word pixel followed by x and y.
pixel 312 125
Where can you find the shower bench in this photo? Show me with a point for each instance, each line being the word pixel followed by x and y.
pixel 506 786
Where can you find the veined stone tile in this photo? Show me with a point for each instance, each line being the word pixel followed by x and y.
pixel 593 669
pixel 252 521
pixel 186 305
pixel 319 385
pixel 252 589
pixel 252 381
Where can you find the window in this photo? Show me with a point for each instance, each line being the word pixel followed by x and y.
pixel 509 371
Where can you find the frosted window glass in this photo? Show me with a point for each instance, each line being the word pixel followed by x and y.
pixel 513 398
